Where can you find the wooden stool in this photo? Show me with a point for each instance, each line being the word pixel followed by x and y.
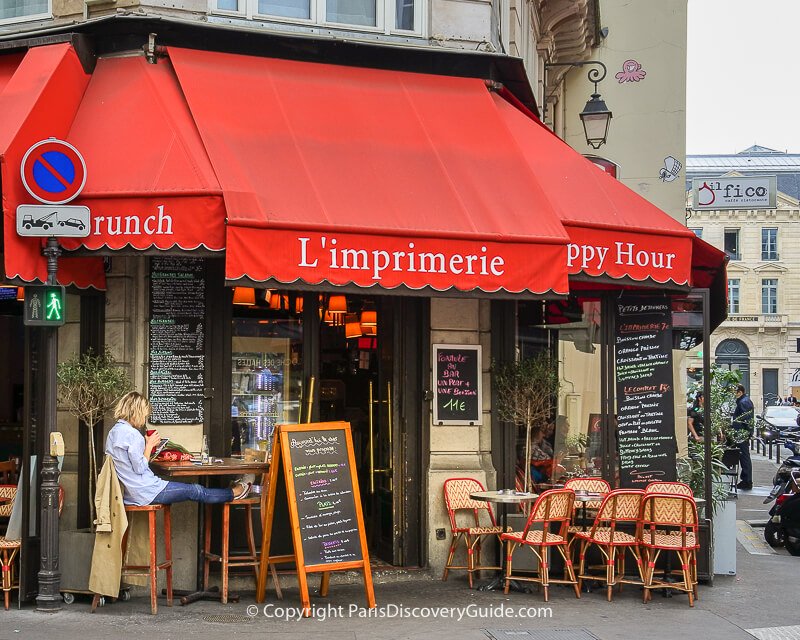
pixel 226 560
pixel 154 567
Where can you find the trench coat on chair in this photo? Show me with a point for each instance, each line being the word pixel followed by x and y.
pixel 110 527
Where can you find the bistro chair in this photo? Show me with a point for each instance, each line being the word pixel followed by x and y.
pixel 620 506
pixel 9 549
pixel 669 488
pixel 669 523
pixel 552 507
pixel 731 458
pixel 456 497
pixel 590 485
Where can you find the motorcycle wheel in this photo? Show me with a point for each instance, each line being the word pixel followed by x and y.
pixel 773 534
pixel 793 547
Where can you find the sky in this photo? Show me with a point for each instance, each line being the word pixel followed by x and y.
pixel 743 85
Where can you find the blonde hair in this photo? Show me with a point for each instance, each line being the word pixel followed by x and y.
pixel 134 408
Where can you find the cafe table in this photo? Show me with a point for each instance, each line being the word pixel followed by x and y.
pixel 180 471
pixel 503 498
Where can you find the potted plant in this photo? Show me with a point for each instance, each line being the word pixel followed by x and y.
pixel 691 469
pixel 526 392
pixel 88 386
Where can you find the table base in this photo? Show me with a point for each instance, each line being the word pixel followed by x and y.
pixel 212 593
pixel 499 583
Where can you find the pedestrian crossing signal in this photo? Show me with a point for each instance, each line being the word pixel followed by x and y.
pixel 45 306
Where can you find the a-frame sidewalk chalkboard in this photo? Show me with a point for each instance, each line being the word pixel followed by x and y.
pixel 315 465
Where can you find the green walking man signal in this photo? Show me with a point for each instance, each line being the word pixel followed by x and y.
pixel 44 306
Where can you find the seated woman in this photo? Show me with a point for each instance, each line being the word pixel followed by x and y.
pixel 131 451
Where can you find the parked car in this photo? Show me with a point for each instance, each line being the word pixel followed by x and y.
pixel 777 419
pixel 72 222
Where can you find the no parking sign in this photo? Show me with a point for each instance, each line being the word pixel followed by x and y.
pixel 53 171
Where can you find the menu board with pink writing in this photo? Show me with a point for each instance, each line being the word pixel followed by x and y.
pixel 457 384
pixel 325 499
pixel 645 391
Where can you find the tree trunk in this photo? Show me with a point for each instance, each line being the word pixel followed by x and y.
pixel 527 457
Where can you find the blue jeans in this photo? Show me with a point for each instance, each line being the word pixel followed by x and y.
pixel 181 492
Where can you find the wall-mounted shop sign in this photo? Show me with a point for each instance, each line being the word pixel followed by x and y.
pixel 177 340
pixel 742 192
pixel 645 392
pixel 458 392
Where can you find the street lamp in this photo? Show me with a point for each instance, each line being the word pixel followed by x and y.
pixel 595 116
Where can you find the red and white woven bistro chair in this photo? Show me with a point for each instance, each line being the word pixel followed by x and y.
pixel 471 529
pixel 620 506
pixel 669 488
pixel 553 507
pixel 669 523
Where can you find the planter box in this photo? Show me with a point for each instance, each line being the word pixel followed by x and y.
pixel 725 539
pixel 75 559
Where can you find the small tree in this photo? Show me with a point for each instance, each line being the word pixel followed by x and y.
pixel 88 386
pixel 526 392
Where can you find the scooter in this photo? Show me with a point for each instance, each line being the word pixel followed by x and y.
pixel 783 527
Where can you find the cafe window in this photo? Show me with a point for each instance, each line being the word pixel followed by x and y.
pixel 769 243
pixel 388 16
pixel 20 10
pixel 732 244
pixel 266 365
pixel 769 295
pixel 569 443
pixel 733 295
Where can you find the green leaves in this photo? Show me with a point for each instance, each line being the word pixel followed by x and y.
pixel 526 389
pixel 89 384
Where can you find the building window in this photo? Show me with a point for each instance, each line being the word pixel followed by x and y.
pixel 19 10
pixel 769 295
pixel 387 16
pixel 733 295
pixel 732 244
pixel 769 244
pixel 697 231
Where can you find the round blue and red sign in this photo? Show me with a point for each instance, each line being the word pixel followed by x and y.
pixel 53 171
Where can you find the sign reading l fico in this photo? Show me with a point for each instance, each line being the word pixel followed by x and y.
pixel 742 192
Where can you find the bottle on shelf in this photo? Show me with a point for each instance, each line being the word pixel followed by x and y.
pixel 204 457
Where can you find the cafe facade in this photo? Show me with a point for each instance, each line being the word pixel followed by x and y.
pixel 316 233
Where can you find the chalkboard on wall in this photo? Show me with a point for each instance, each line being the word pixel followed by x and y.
pixel 458 392
pixel 176 384
pixel 645 391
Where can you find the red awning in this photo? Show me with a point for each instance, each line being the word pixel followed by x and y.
pixel 351 175
pixel 149 182
pixel 613 232
pixel 41 93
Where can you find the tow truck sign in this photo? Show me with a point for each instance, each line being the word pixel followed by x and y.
pixel 42 220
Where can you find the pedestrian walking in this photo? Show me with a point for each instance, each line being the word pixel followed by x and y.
pixel 742 424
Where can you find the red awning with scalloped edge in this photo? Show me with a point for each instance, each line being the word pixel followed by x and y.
pixel 39 95
pixel 348 175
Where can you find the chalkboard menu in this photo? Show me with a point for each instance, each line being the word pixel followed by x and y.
pixel 457 384
pixel 314 465
pixel 177 340
pixel 323 489
pixel 645 392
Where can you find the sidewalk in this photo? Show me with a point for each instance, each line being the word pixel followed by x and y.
pixel 724 611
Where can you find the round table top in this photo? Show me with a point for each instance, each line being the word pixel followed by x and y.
pixel 504 495
pixel 588 496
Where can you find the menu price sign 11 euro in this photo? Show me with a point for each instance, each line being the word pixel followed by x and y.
pixel 457 389
pixel 45 306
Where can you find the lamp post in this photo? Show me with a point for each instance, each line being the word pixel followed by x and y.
pixel 595 116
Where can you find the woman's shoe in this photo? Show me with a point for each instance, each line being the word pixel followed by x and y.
pixel 246 486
